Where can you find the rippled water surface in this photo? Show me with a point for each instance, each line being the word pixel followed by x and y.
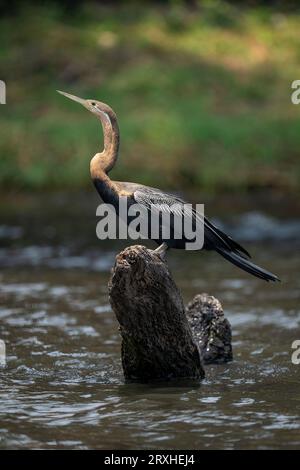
pixel 63 385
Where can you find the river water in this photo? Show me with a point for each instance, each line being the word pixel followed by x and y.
pixel 63 387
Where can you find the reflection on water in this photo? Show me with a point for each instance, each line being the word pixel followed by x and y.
pixel 63 385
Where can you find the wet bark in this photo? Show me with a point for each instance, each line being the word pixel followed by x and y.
pixel 157 342
pixel 211 330
pixel 162 340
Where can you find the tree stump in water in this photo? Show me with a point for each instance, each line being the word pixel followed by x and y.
pixel 157 342
pixel 160 340
pixel 211 330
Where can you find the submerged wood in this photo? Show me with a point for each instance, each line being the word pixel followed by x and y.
pixel 161 339
pixel 211 330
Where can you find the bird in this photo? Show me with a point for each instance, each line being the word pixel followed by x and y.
pixel 112 191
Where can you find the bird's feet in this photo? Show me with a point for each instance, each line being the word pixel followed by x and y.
pixel 161 250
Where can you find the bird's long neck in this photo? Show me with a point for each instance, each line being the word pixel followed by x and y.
pixel 111 141
pixel 104 161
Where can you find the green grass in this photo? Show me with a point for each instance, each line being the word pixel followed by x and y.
pixel 202 96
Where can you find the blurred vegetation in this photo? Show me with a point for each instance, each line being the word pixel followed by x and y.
pixel 202 91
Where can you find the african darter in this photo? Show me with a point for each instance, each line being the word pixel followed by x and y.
pixel 111 191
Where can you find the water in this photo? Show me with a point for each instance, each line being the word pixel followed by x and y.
pixel 63 385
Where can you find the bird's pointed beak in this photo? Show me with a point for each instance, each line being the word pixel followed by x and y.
pixel 74 98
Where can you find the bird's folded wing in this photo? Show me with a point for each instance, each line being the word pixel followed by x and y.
pixel 154 199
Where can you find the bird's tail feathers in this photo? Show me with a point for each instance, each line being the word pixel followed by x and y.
pixel 246 265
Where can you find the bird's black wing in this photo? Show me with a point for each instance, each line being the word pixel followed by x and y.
pixel 213 237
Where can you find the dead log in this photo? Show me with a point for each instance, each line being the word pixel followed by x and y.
pixel 157 342
pixel 211 330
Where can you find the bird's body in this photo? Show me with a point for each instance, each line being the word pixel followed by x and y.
pixel 112 191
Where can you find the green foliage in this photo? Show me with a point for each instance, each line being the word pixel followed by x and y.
pixel 202 94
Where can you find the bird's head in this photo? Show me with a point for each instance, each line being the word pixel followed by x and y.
pixel 101 110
